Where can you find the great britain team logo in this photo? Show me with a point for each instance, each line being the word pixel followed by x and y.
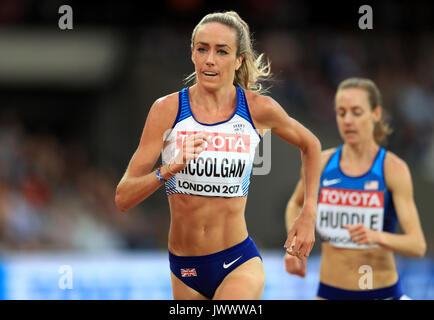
pixel 188 272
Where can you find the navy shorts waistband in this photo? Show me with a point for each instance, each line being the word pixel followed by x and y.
pixel 393 292
pixel 210 257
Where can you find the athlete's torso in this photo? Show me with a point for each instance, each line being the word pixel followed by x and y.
pixel 207 199
pixel 345 200
pixel 223 168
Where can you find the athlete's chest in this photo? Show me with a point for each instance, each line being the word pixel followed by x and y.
pixel 209 118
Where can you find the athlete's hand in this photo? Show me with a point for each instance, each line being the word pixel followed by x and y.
pixel 294 265
pixel 191 149
pixel 301 236
pixel 360 234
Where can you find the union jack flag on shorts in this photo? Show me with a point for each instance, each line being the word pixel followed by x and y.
pixel 189 272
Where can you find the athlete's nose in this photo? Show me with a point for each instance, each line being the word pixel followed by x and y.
pixel 348 118
pixel 210 59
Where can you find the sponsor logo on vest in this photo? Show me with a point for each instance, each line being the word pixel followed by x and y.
pixel 327 183
pixel 354 198
pixel 227 142
pixel 239 128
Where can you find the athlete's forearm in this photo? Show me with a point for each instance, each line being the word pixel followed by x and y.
pixel 133 190
pixel 311 171
pixel 291 213
pixel 401 243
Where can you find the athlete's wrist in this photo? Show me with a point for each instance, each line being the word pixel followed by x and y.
pixel 309 209
pixel 170 171
pixel 159 175
pixel 166 173
pixel 174 166
pixel 377 237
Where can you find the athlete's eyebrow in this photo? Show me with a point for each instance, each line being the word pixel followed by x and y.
pixel 351 107
pixel 217 45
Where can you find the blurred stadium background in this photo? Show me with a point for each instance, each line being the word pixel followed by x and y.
pixel 73 104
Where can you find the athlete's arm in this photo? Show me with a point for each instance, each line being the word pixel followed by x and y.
pixel 412 242
pixel 139 182
pixel 399 182
pixel 295 203
pixel 293 208
pixel 268 114
pixel 294 265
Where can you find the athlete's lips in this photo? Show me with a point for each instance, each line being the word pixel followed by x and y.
pixel 350 132
pixel 210 73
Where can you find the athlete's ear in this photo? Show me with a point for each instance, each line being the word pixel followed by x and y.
pixel 378 111
pixel 239 62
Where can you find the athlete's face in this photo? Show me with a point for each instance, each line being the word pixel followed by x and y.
pixel 354 116
pixel 214 55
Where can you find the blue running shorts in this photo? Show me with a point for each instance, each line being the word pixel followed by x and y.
pixel 205 273
pixel 393 292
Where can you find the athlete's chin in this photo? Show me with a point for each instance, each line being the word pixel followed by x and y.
pixel 351 140
pixel 211 84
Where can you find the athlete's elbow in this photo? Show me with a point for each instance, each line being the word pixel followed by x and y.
pixel 120 203
pixel 421 250
pixel 313 145
pixel 120 200
pixel 316 143
pixel 310 146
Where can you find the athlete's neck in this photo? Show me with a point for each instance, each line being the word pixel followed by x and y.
pixel 213 101
pixel 360 152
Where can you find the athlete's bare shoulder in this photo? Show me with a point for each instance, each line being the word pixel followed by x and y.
pixel 394 161
pixel 259 105
pixel 266 112
pixel 325 156
pixel 167 104
pixel 163 111
pixel 394 166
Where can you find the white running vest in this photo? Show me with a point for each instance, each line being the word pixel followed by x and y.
pixel 223 169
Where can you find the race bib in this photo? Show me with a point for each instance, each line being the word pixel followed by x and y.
pixel 340 207
pixel 222 169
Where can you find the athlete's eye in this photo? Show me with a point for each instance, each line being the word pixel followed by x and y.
pixel 223 52
pixel 340 113
pixel 357 112
pixel 201 49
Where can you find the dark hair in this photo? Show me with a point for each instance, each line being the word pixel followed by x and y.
pixel 381 129
pixel 253 69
